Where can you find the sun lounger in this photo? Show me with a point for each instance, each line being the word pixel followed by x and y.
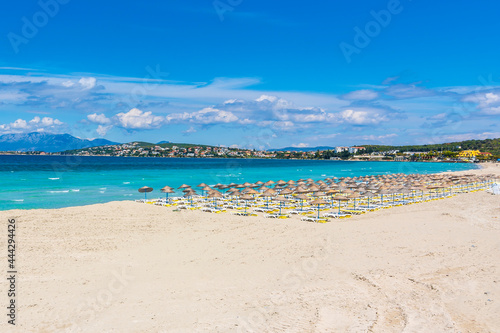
pixel 353 211
pixel 337 215
pixel 277 216
pixel 314 219
pixel 243 214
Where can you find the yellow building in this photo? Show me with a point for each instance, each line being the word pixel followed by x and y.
pixel 469 153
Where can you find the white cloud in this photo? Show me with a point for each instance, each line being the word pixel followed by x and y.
pixel 464 137
pixel 68 84
pixel 205 116
pixel 361 95
pixel 136 119
pixel 190 130
pixel 103 130
pixel 87 82
pixel 99 119
pixel 487 103
pixel 377 137
pixel 36 124
pixel 361 117
pixel 300 145
pixel 271 99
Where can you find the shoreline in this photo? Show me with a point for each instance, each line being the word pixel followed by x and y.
pixel 476 167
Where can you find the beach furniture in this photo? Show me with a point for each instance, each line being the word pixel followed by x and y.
pixel 277 216
pixel 337 215
pixel 314 219
pixel 243 214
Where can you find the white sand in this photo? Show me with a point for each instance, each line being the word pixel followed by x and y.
pixel 130 267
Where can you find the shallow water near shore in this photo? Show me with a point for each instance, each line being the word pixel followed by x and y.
pixel 32 182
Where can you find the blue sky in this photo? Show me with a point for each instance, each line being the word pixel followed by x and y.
pixel 252 73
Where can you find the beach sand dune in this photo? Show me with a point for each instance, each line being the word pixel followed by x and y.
pixel 131 267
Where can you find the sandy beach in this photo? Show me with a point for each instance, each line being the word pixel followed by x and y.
pixel 131 267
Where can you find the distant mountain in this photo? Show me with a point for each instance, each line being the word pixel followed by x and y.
pixel 47 142
pixel 303 148
pixel 162 142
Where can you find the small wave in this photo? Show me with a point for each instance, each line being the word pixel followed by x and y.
pixel 103 188
pixel 64 191
pixel 53 178
pixel 323 175
pixel 18 200
pixel 77 190
pixel 126 182
pixel 102 191
pixel 127 195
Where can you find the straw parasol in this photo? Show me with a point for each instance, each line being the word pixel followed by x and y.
pixel 369 195
pixel 167 190
pixel 340 198
pixel 214 194
pixel 145 190
pixel 354 196
pixel 281 200
pixel 302 197
pixel 246 197
pixel 318 202
pixel 267 194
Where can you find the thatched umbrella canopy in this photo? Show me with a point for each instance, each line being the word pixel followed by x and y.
pixel 145 190
pixel 184 186
pixel 246 197
pixel 267 194
pixel 215 194
pixel 369 195
pixel 301 190
pixel 301 197
pixel 318 202
pixel 206 189
pixel 167 190
pixel 354 196
pixel 252 191
pixel 188 193
pixel 281 200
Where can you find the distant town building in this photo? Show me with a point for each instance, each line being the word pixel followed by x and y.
pixel 354 150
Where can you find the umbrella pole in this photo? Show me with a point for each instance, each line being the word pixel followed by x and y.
pixel 318 211
pixel 339 206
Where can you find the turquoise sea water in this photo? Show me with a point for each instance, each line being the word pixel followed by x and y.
pixel 28 182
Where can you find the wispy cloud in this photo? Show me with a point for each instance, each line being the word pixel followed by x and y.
pixel 100 103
